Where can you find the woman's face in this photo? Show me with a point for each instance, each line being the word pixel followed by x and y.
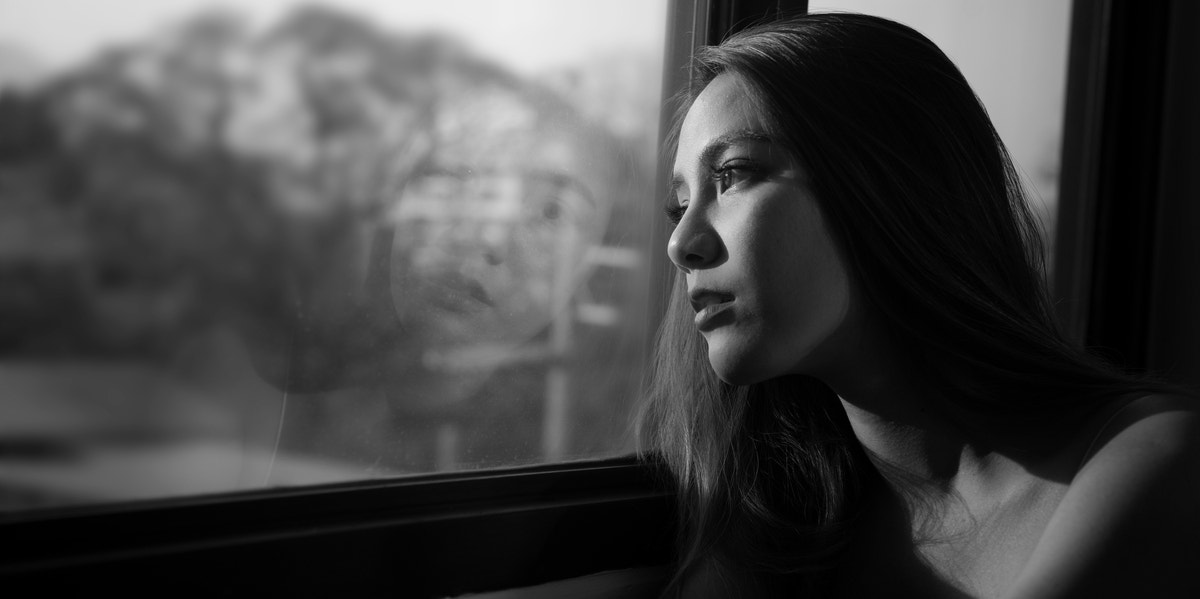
pixel 769 288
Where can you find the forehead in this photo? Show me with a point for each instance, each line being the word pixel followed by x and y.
pixel 725 106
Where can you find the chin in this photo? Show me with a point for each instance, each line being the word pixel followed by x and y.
pixel 738 370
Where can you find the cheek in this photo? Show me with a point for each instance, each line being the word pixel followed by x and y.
pixel 809 291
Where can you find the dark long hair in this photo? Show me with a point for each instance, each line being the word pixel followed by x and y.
pixel 924 203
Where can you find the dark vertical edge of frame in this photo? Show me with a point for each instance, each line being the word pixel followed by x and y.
pixel 1128 181
pixel 1082 130
pixel 1110 184
pixel 1174 322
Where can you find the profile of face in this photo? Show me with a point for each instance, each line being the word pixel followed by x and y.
pixel 770 290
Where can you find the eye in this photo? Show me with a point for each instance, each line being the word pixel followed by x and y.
pixel 728 177
pixel 733 174
pixel 551 210
pixel 547 211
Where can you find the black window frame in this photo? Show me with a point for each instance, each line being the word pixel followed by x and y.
pixel 1124 274
pixel 426 536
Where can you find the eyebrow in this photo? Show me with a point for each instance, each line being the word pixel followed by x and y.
pixel 715 148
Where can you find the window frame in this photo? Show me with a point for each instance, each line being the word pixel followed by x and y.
pixel 424 536
pixel 1124 283
pixel 1108 186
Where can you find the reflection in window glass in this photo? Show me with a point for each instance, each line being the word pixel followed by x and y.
pixel 291 244
pixel 1014 54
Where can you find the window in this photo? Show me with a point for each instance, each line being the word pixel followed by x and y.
pixel 283 244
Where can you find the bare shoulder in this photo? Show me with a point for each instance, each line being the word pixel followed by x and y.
pixel 1129 523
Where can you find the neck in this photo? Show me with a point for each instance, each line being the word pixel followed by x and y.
pixel 901 427
pixel 921 450
pixel 902 421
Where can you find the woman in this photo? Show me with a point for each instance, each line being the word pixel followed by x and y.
pixel 860 386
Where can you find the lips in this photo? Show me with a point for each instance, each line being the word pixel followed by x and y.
pixel 453 292
pixel 712 308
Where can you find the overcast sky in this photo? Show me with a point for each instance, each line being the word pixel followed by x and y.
pixel 60 32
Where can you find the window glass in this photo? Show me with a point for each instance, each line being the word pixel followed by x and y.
pixel 278 243
pixel 1014 54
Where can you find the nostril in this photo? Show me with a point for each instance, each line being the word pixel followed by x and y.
pixel 493 258
pixel 694 247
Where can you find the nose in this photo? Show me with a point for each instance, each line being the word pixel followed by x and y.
pixel 694 244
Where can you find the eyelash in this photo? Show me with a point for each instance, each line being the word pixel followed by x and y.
pixel 674 212
pixel 729 175
pixel 726 176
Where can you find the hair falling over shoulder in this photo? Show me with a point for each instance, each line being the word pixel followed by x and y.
pixel 924 202
pixel 768 473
